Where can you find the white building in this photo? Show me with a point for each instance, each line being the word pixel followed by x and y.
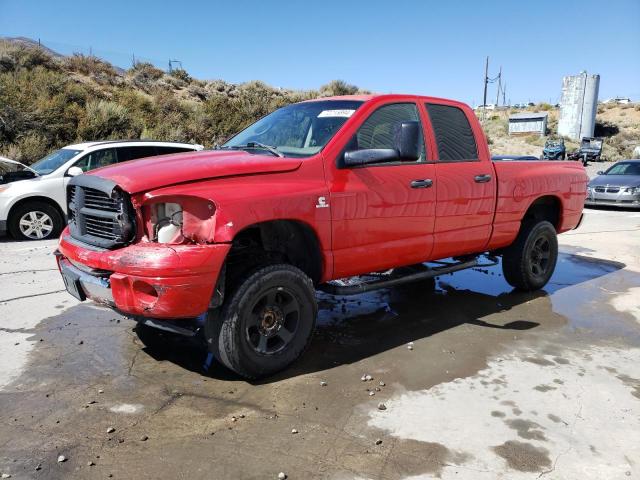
pixel 528 123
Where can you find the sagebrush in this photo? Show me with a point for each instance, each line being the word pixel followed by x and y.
pixel 48 102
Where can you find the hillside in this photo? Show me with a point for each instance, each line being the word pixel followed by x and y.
pixel 619 125
pixel 48 100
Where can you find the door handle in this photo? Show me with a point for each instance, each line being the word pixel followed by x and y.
pixel 426 183
pixel 482 178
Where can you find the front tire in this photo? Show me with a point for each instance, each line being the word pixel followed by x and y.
pixel 266 322
pixel 529 262
pixel 35 220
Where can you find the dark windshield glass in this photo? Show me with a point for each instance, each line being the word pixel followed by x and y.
pixel 54 160
pixel 624 168
pixel 298 130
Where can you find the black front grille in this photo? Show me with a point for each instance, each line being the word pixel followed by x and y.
pixel 99 213
pixel 607 189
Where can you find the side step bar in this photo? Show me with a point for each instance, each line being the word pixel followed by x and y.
pixel 335 288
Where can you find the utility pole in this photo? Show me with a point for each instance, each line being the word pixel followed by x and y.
pixel 486 81
pixel 133 59
pixel 499 87
pixel 504 93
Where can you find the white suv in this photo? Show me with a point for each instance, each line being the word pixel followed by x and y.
pixel 36 208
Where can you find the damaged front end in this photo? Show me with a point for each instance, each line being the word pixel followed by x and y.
pixel 137 255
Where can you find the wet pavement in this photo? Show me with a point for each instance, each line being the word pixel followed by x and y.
pixel 497 384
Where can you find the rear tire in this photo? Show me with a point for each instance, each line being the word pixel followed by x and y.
pixel 530 261
pixel 35 220
pixel 266 322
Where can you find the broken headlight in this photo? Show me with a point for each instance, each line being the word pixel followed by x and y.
pixel 166 222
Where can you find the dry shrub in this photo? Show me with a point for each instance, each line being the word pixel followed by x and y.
pixel 91 66
pixel 27 149
pixel 107 120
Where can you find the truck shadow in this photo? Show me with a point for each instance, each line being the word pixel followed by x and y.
pixel 357 327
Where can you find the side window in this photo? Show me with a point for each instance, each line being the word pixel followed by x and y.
pixel 97 159
pixel 168 150
pixel 455 139
pixel 378 131
pixel 133 153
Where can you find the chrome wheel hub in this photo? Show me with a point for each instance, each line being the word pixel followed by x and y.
pixel 36 225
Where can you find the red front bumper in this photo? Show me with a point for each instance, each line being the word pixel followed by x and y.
pixel 152 280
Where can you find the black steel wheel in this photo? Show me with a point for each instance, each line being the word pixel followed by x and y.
pixel 265 323
pixel 273 321
pixel 539 257
pixel 530 261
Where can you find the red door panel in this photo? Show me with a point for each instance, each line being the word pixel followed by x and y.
pixel 378 220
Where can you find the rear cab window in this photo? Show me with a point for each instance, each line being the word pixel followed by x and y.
pixel 454 137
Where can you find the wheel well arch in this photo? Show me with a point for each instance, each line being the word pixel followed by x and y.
pixel 36 198
pixel 548 207
pixel 288 241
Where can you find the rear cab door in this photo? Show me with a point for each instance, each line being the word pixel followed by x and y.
pixel 465 180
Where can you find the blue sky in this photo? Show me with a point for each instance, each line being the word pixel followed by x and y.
pixel 433 48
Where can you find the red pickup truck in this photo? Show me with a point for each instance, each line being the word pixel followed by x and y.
pixel 232 243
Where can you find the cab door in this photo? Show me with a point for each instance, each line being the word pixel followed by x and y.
pixel 382 214
pixel 466 183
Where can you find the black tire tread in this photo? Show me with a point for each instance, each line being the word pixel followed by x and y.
pixel 222 324
pixel 514 265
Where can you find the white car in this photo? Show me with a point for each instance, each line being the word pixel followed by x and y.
pixel 33 202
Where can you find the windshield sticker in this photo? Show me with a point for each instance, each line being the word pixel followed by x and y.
pixel 336 113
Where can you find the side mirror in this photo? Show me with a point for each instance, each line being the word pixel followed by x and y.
pixel 407 140
pixel 355 158
pixel 600 172
pixel 74 172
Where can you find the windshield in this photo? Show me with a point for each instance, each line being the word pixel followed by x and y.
pixel 54 160
pixel 298 130
pixel 593 143
pixel 624 168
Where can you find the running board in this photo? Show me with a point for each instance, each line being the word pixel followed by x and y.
pixel 169 326
pixel 335 288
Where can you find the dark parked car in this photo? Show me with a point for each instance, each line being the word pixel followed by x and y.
pixel 554 149
pixel 513 158
pixel 619 186
pixel 590 150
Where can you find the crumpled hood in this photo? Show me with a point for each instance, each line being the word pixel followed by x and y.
pixel 154 172
pixel 616 180
pixel 8 161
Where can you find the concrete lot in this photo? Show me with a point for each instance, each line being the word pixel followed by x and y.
pixel 498 384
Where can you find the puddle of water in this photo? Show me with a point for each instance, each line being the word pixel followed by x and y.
pixel 580 290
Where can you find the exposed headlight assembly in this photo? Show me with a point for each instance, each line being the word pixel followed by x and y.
pixel 182 218
pixel 166 222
